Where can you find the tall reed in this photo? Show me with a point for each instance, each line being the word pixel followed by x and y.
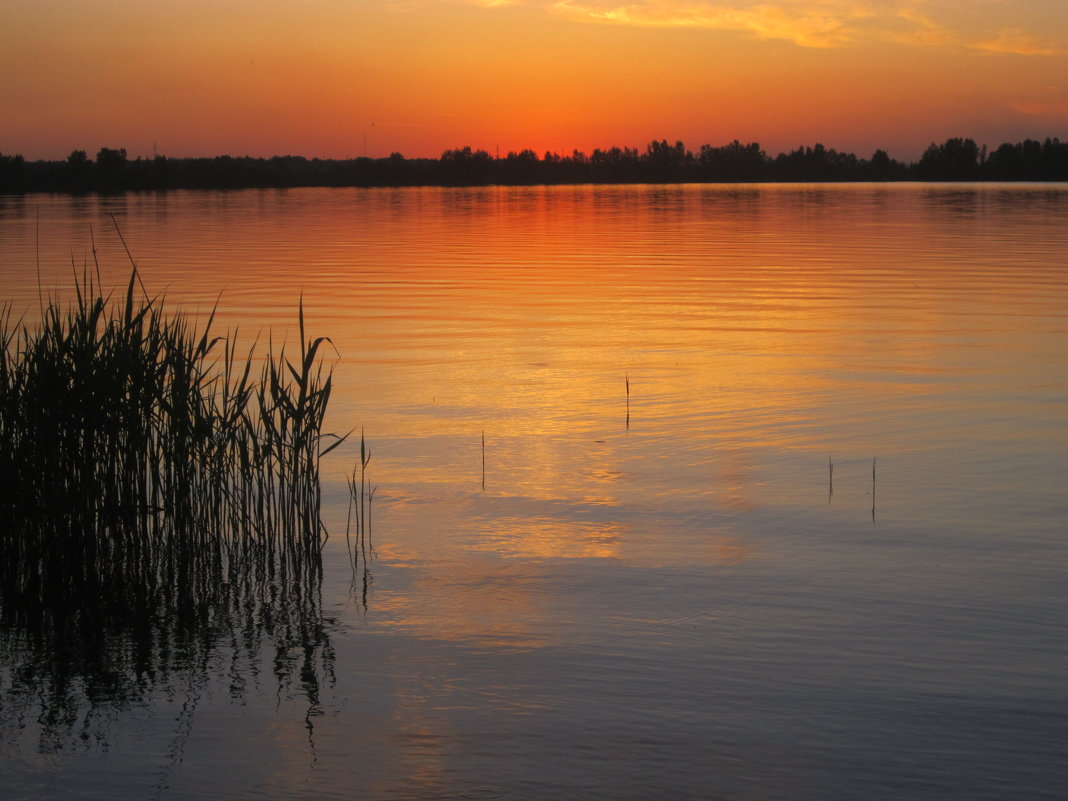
pixel 150 471
pixel 129 428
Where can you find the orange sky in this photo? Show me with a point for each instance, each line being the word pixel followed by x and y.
pixel 321 77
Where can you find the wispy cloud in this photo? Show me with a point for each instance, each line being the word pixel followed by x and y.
pixel 1052 108
pixel 1016 41
pixel 807 23
pixel 812 23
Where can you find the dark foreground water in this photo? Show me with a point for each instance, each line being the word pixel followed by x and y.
pixel 666 596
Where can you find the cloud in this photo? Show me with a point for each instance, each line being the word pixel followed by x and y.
pixel 1016 41
pixel 813 23
pixel 1053 108
pixel 809 23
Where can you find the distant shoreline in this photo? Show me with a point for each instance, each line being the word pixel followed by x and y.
pixel 660 163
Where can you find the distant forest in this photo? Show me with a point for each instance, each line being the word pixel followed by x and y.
pixel 661 162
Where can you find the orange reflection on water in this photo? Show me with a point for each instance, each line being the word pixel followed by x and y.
pixel 751 322
pixel 554 538
pixel 478 601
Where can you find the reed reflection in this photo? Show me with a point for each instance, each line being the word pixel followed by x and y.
pixel 78 651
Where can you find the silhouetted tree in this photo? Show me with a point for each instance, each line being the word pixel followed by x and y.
pixel 522 167
pixel 466 166
pixel 78 173
pixel 816 164
pixel 615 165
pixel 111 168
pixel 955 160
pixel 287 170
pixel 733 162
pixel 879 166
pixel 12 174
pixel 664 162
pixel 161 173
pixel 1028 160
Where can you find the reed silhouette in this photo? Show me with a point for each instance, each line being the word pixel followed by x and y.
pixel 160 505
pixel 358 539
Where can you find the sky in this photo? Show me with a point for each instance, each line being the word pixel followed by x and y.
pixel 344 78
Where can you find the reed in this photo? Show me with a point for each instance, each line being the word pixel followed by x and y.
pixel 873 487
pixel 358 540
pixel 155 477
pixel 134 427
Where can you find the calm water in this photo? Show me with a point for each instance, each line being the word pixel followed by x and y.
pixel 666 597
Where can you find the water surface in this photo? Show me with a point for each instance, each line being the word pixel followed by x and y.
pixel 657 587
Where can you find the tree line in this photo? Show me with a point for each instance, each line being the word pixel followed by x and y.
pixel 661 162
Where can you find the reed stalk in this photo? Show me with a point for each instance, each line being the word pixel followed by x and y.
pixel 358 541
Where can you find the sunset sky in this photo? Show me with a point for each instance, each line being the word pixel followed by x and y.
pixel 339 78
